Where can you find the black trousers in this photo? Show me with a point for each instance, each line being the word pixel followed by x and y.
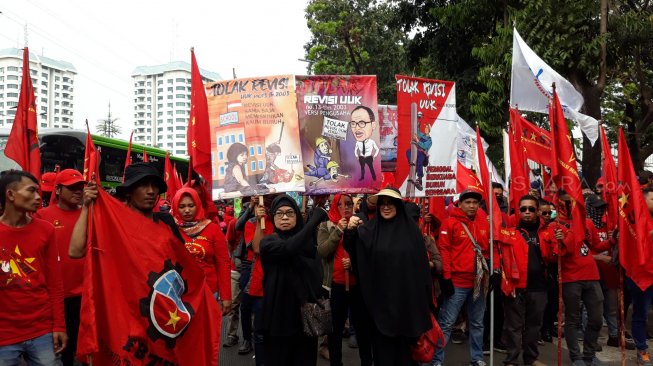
pixel 341 301
pixel 245 302
pixel 587 293
pixel 391 351
pixel 72 307
pixel 369 161
pixel 498 316
pixel 297 350
pixel 522 322
pixel 551 309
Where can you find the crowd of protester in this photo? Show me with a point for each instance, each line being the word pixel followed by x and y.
pixel 385 263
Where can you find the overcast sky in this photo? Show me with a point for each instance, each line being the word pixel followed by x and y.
pixel 106 40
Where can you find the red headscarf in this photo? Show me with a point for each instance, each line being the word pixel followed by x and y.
pixel 334 212
pixel 199 222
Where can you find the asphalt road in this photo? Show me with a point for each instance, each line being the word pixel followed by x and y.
pixel 456 355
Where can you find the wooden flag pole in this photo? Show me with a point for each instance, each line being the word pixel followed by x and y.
pixel 260 203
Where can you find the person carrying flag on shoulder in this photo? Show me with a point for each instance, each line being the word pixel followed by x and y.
pixel 141 189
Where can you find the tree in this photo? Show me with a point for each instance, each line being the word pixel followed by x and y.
pixel 108 127
pixel 355 37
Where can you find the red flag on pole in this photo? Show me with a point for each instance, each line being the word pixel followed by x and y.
pixel 535 141
pixel 487 184
pixel 199 132
pixel 23 143
pixel 91 160
pixel 166 315
pixel 128 158
pixel 179 181
pixel 565 170
pixel 467 179
pixel 170 177
pixel 610 183
pixel 520 183
pixel 145 158
pixel 634 239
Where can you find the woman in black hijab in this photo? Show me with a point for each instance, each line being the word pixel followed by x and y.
pixel 390 259
pixel 292 276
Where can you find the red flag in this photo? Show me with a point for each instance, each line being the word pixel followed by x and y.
pixel 170 177
pixel 179 182
pixel 23 143
pixel 160 311
pixel 565 170
pixel 128 158
pixel 90 158
pixel 199 131
pixel 145 158
pixel 467 179
pixel 520 183
pixel 536 141
pixel 487 184
pixel 609 182
pixel 634 239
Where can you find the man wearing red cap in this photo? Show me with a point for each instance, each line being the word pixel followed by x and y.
pixel 47 187
pixel 68 187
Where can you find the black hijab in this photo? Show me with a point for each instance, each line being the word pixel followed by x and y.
pixel 286 200
pixel 394 273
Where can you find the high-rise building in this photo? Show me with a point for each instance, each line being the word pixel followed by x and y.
pixel 162 104
pixel 53 82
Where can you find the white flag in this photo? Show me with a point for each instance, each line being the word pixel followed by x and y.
pixel 467 154
pixel 531 88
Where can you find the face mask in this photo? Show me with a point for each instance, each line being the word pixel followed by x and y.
pixel 554 214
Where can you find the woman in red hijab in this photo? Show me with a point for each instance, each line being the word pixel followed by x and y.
pixel 205 242
pixel 340 281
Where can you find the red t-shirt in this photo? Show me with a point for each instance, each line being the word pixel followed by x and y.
pixel 72 270
pixel 233 237
pixel 339 272
pixel 31 290
pixel 256 280
pixel 209 249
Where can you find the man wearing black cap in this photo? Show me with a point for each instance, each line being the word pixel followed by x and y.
pixel 465 279
pixel 142 186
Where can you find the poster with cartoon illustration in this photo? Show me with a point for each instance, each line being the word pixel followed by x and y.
pixel 339 129
pixel 388 130
pixel 427 134
pixel 254 136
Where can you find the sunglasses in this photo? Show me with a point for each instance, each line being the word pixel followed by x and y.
pixel 546 213
pixel 527 208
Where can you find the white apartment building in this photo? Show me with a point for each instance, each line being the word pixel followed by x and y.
pixel 162 104
pixel 53 82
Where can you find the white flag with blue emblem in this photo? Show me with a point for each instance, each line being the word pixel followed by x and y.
pixel 531 88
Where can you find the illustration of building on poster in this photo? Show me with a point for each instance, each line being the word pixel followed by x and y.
pixel 339 129
pixel 254 136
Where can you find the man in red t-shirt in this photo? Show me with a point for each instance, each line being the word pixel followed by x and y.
pixel 69 188
pixel 31 291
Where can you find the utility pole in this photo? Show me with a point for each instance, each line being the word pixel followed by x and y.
pixel 107 127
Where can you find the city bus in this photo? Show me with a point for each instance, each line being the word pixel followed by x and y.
pixel 65 147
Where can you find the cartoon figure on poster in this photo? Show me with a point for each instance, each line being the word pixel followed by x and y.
pixel 423 142
pixel 333 174
pixel 321 158
pixel 236 174
pixel 274 174
pixel 362 126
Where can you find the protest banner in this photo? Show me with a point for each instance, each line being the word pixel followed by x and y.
pixel 254 136
pixel 427 137
pixel 339 131
pixel 388 136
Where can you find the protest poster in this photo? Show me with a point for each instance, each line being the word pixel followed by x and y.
pixel 388 136
pixel 339 129
pixel 427 137
pixel 254 136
